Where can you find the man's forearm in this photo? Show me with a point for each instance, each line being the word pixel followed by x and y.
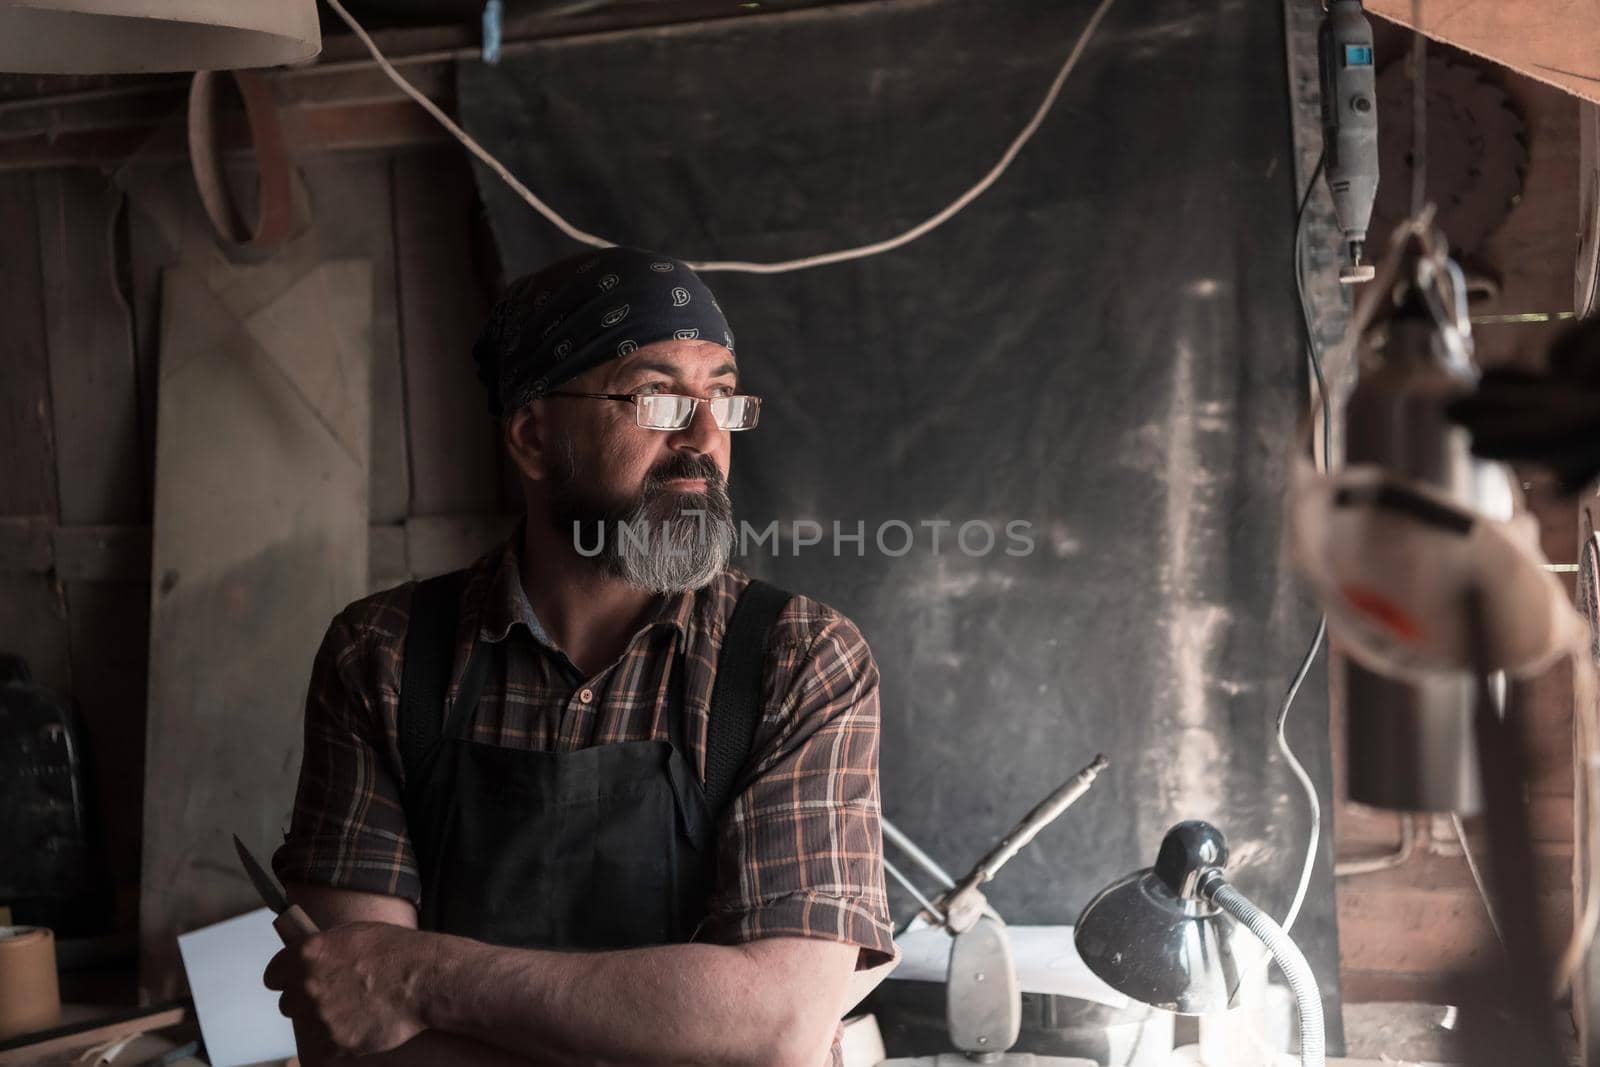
pixel 689 1004
pixel 432 1048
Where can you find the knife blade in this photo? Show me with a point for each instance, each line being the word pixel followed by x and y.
pixel 292 923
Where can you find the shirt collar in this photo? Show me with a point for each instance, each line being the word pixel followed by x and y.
pixel 506 603
pixel 676 611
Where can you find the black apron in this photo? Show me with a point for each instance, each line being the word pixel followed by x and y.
pixel 607 847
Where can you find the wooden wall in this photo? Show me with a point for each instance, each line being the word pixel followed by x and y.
pixel 77 438
pixel 80 299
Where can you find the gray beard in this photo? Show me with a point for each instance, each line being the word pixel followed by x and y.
pixel 662 542
pixel 673 543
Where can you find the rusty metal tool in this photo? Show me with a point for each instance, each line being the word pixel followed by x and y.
pixel 961 906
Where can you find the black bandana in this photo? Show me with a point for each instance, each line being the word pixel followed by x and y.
pixel 579 313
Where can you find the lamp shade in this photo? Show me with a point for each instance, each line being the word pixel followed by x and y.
pixel 144 36
pixel 1178 936
pixel 1151 936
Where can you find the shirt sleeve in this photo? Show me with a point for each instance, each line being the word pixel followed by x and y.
pixel 800 852
pixel 348 829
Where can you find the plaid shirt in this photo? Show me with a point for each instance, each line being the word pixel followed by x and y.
pixel 799 852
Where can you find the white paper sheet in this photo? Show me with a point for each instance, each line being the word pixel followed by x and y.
pixel 239 1016
pixel 1046 957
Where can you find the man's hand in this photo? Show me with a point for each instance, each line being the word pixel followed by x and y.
pixel 352 989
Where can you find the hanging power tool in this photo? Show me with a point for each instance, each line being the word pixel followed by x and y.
pixel 1350 127
pixel 1431 574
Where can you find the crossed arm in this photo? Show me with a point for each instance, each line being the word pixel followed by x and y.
pixel 373 985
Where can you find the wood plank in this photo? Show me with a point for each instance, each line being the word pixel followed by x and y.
pixel 34 1049
pixel 1443 869
pixel 1545 704
pixel 1556 512
pixel 1552 818
pixel 1425 922
pixel 348 127
pixel 1367 987
pixel 1553 43
pixel 152 250
pixel 454 446
pixel 102 554
pixel 1423 931
pixel 88 334
pixel 260 539
pixel 25 545
pixel 1364 831
pixel 397 551
pixel 1373 831
pixel 109 627
pixel 295 89
pixel 353 216
pixel 344 73
pixel 26 436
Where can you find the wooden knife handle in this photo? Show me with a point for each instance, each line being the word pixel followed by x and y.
pixel 294 925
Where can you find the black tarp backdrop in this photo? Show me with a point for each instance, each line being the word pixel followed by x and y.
pixel 1103 346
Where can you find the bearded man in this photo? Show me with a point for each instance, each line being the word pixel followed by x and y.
pixel 599 798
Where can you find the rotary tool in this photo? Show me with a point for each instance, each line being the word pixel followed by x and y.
pixel 1349 126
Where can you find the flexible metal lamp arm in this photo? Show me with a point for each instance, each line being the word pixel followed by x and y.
pixel 1302 982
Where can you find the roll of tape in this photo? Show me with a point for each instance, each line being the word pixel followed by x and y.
pixel 30 998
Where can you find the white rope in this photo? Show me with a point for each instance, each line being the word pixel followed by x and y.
pixel 461 135
pixel 821 259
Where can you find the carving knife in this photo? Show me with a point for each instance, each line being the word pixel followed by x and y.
pixel 292 923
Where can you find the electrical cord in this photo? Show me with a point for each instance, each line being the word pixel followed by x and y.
pixel 1300 772
pixel 1388 861
pixel 1315 358
pixel 783 266
pixel 1419 111
pixel 1477 878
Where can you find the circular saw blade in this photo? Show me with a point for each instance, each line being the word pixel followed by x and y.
pixel 1476 151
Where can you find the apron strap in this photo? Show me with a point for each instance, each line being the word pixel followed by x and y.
pixel 736 695
pixel 472 681
pixel 677 705
pixel 425 675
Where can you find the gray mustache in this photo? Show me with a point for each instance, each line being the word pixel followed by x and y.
pixel 686 467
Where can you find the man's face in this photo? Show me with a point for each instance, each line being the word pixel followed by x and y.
pixel 667 486
pixel 617 455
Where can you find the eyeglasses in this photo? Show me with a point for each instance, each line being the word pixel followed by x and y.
pixel 669 411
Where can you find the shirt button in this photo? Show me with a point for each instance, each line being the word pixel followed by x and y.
pixel 585 695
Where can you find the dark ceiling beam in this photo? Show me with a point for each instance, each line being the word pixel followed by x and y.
pixel 308 131
pixel 342 102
